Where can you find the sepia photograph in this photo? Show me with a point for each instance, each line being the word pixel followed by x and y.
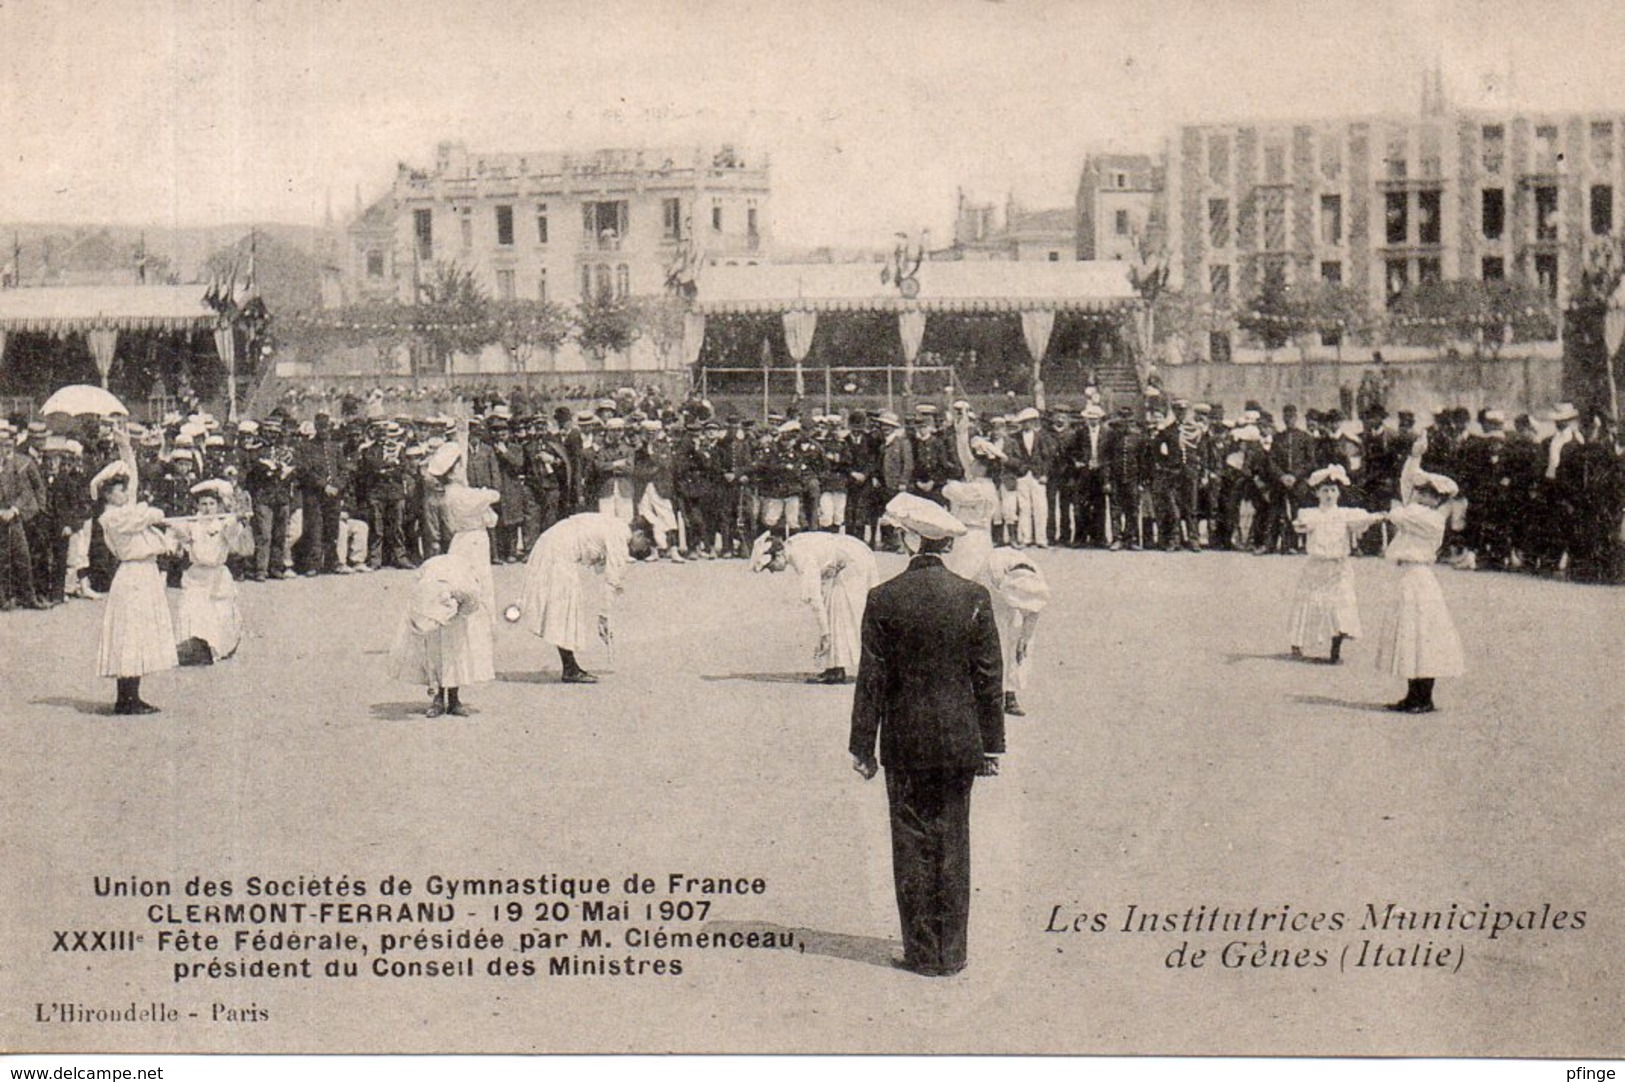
pixel 525 526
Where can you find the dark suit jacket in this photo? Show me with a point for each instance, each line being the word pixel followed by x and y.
pixel 931 679
pixel 1037 461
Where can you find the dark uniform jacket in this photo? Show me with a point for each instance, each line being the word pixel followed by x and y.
pixel 931 679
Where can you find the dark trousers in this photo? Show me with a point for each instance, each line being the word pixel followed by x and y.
pixel 387 544
pixel 541 512
pixel 16 564
pixel 1173 494
pixel 930 843
pixel 270 537
pixel 319 541
pixel 1090 507
pixel 56 565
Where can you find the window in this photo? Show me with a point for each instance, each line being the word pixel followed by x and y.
pixel 671 219
pixel 1546 148
pixel 1429 270
pixel 465 224
pixel 1331 273
pixel 1218 281
pixel 1494 140
pixel 1055 257
pixel 1602 209
pixel 1218 223
pixel 541 286
pixel 1273 272
pixel 1428 205
pixel 1274 164
pixel 1396 218
pixel 505 226
pixel 1546 213
pixel 1120 223
pixel 1394 281
pixel 423 230
pixel 1218 158
pixel 586 283
pixel 1428 153
pixel 1494 213
pixel 603 283
pixel 623 282
pixel 1274 200
pixel 605 224
pixel 1492 268
pixel 1602 144
pixel 1119 180
pixel 716 217
pixel 505 285
pixel 1546 273
pixel 1331 219
pixel 1218 347
pixel 752 232
pixel 541 223
pixel 375 264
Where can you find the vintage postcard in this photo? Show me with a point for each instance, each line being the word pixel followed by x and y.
pixel 971 527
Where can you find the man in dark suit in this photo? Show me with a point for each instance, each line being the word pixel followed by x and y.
pixel 930 686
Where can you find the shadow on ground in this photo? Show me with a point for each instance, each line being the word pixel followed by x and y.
pixel 1341 704
pixel 760 677
pixel 90 707
pixel 851 948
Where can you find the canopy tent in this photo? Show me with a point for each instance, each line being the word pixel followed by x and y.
pixel 1035 292
pixel 100 314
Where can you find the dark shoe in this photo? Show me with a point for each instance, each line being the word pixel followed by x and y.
pixel 1420 708
pixel 256 577
pixel 435 710
pixel 1297 651
pixel 1013 707
pixel 276 575
pixel 312 573
pixel 459 711
pixel 36 604
pixel 138 707
pixel 580 676
pixel 1404 706
pixel 829 676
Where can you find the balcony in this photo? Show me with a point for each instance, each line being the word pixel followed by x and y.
pixel 605 241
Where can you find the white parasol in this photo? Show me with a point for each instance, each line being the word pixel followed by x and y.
pixel 81 398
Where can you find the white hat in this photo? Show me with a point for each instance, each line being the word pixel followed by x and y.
pixel 889 419
pixel 445 457
pixel 113 471
pixel 931 521
pixel 763 549
pixel 1494 417
pixel 981 445
pixel 1028 414
pixel 652 425
pixel 1438 482
pixel 1093 412
pixel 249 426
pixel 791 425
pixel 1351 431
pixel 1248 433
pixel 216 487
pixel 1564 411
pixel 615 423
pixel 1334 474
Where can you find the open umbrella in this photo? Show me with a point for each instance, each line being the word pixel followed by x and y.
pixel 81 398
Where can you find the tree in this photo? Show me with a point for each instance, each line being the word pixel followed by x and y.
pixel 1270 316
pixel 606 325
pixel 523 327
pixel 661 319
pixel 453 315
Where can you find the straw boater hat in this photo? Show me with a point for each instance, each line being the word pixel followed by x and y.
pixel 216 487
pixel 1564 411
pixel 113 471
pixel 889 419
pixel 1438 482
pixel 916 515
pixel 1028 414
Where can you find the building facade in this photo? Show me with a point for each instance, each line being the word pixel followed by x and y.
pixel 1021 235
pixel 560 227
pixel 1119 205
pixel 1378 204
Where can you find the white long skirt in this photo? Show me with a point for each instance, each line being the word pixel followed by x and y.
pixel 1419 639
pixel 555 603
pixel 968 557
pixel 476 664
pixel 1323 605
pixel 845 595
pixel 209 609
pixel 138 636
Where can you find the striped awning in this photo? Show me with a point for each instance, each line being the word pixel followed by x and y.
pixel 76 309
pixel 961 287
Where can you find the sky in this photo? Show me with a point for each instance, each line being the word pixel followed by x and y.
pixel 873 114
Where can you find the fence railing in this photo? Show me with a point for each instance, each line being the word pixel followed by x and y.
pixel 872 383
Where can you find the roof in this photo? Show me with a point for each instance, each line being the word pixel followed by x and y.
pixel 994 286
pixel 1028 223
pixel 67 309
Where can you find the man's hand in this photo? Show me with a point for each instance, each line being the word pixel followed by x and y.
pixel 989 767
pixel 330 490
pixel 866 768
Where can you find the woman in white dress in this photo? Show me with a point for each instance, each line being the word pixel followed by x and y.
pixel 1325 610
pixel 554 603
pixel 468 515
pixel 433 646
pixel 973 501
pixel 1020 592
pixel 836 573
pixel 1419 640
pixel 210 626
pixel 137 635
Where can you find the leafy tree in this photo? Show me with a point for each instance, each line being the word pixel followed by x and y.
pixel 1270 315
pixel 606 325
pixel 661 319
pixel 453 315
pixel 525 326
